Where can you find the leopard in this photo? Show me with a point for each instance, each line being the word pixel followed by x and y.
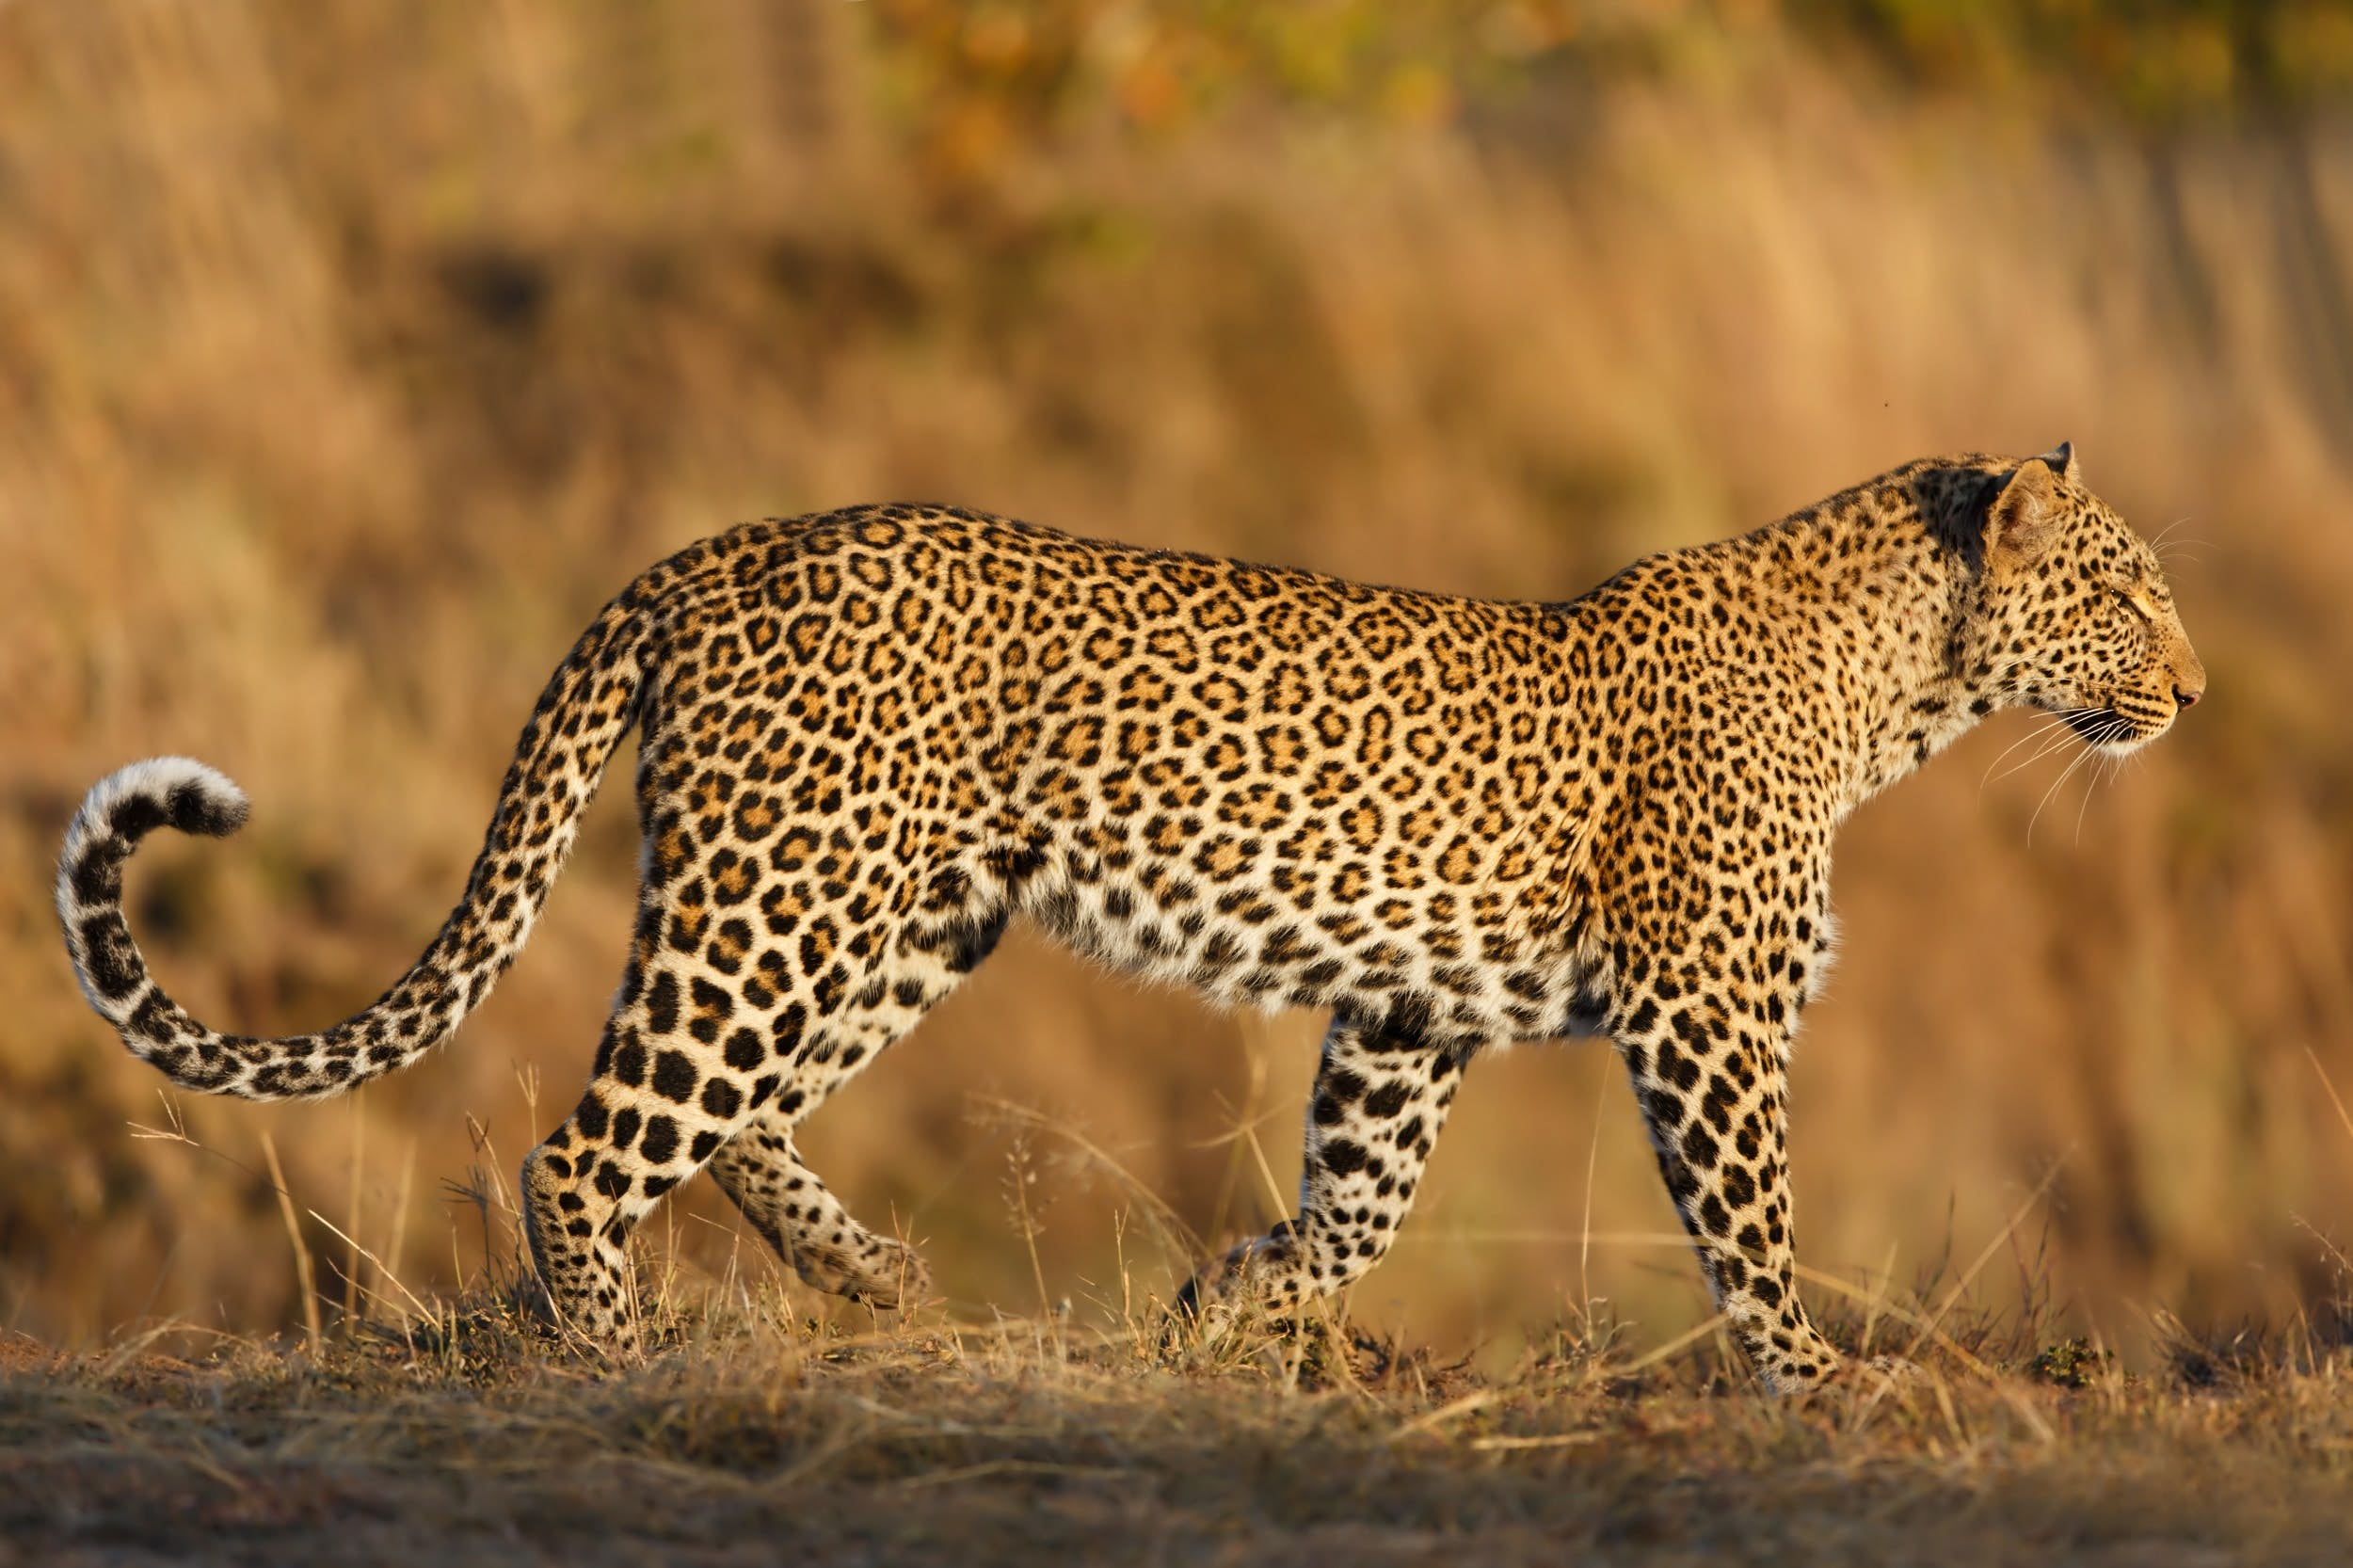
pixel 869 740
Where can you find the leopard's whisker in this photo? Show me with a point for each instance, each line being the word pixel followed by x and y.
pixel 2065 774
pixel 2052 746
pixel 2100 775
pixel 2045 727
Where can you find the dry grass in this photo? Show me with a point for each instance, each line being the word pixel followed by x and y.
pixel 762 1435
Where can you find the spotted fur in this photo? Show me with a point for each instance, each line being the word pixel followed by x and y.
pixel 871 739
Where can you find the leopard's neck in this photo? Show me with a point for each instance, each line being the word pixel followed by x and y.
pixel 1877 583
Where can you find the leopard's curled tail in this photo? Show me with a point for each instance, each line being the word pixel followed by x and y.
pixel 587 706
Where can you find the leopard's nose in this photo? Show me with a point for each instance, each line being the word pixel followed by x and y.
pixel 2189 678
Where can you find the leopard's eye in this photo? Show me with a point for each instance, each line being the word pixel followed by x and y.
pixel 2124 597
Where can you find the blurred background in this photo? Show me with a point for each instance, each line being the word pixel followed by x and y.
pixel 352 355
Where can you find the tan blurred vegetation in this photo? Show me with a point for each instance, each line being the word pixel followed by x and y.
pixel 351 356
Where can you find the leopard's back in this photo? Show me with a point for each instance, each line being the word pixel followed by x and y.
pixel 1266 785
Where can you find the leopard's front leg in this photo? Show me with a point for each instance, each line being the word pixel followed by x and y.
pixel 1707 1042
pixel 1380 1100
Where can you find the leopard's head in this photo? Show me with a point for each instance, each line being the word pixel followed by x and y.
pixel 2074 615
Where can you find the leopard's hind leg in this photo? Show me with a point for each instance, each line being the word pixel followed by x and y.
pixel 746 956
pixel 791 1207
pixel 759 1168
pixel 697 1048
pixel 683 1068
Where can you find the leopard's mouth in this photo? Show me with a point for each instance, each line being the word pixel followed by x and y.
pixel 2097 726
pixel 2110 730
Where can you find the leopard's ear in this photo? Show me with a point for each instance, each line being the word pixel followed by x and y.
pixel 2060 460
pixel 2024 517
